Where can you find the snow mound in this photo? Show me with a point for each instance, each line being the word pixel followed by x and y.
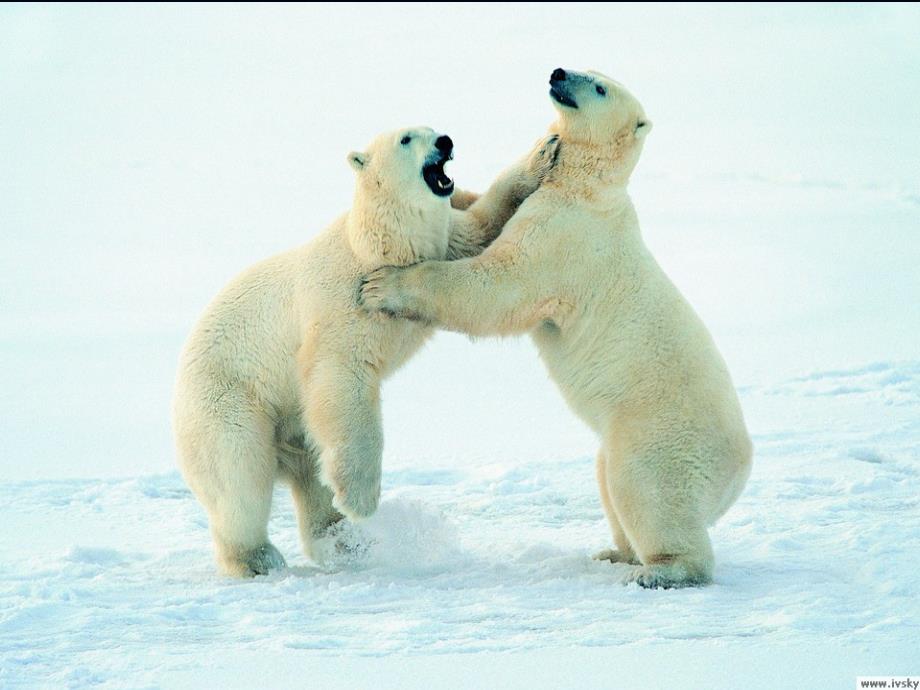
pixel 402 536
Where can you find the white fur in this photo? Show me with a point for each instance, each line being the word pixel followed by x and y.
pixel 628 353
pixel 281 375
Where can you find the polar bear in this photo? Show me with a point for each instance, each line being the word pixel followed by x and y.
pixel 281 376
pixel 631 357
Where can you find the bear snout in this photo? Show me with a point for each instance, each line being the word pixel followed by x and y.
pixel 444 144
pixel 557 75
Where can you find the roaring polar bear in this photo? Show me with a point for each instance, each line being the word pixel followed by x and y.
pixel 631 357
pixel 281 376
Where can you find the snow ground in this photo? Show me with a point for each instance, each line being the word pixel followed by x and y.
pixel 817 570
pixel 159 150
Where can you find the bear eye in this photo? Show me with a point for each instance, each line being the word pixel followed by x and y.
pixel 405 140
pixel 601 90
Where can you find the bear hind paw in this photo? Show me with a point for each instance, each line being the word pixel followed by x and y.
pixel 615 556
pixel 258 561
pixel 670 575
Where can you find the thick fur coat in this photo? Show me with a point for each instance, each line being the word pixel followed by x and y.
pixel 627 351
pixel 281 376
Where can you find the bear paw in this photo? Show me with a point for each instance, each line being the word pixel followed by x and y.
pixel 356 501
pixel 385 291
pixel 258 561
pixel 343 544
pixel 669 576
pixel 352 473
pixel 543 157
pixel 354 495
pixel 615 556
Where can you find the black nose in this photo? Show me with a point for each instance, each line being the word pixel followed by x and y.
pixel 444 144
pixel 557 75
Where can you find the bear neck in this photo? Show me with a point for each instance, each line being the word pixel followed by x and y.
pixel 591 171
pixel 391 232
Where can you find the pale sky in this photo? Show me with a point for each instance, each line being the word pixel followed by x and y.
pixel 151 152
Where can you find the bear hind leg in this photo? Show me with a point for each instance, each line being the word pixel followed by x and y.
pixel 662 523
pixel 312 500
pixel 623 553
pixel 232 471
pixel 239 525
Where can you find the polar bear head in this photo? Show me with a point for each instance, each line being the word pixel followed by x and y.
pixel 599 113
pixel 401 207
pixel 410 161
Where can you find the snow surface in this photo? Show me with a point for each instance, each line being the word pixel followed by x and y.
pixel 115 579
pixel 159 150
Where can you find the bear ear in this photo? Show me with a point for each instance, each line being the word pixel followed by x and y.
pixel 643 127
pixel 357 160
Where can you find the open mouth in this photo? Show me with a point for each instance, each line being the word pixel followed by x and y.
pixel 560 95
pixel 433 174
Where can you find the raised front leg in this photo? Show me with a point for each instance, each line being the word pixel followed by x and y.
pixel 476 221
pixel 488 295
pixel 342 413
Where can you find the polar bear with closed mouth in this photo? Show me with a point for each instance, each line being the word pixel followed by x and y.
pixel 629 354
pixel 281 376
